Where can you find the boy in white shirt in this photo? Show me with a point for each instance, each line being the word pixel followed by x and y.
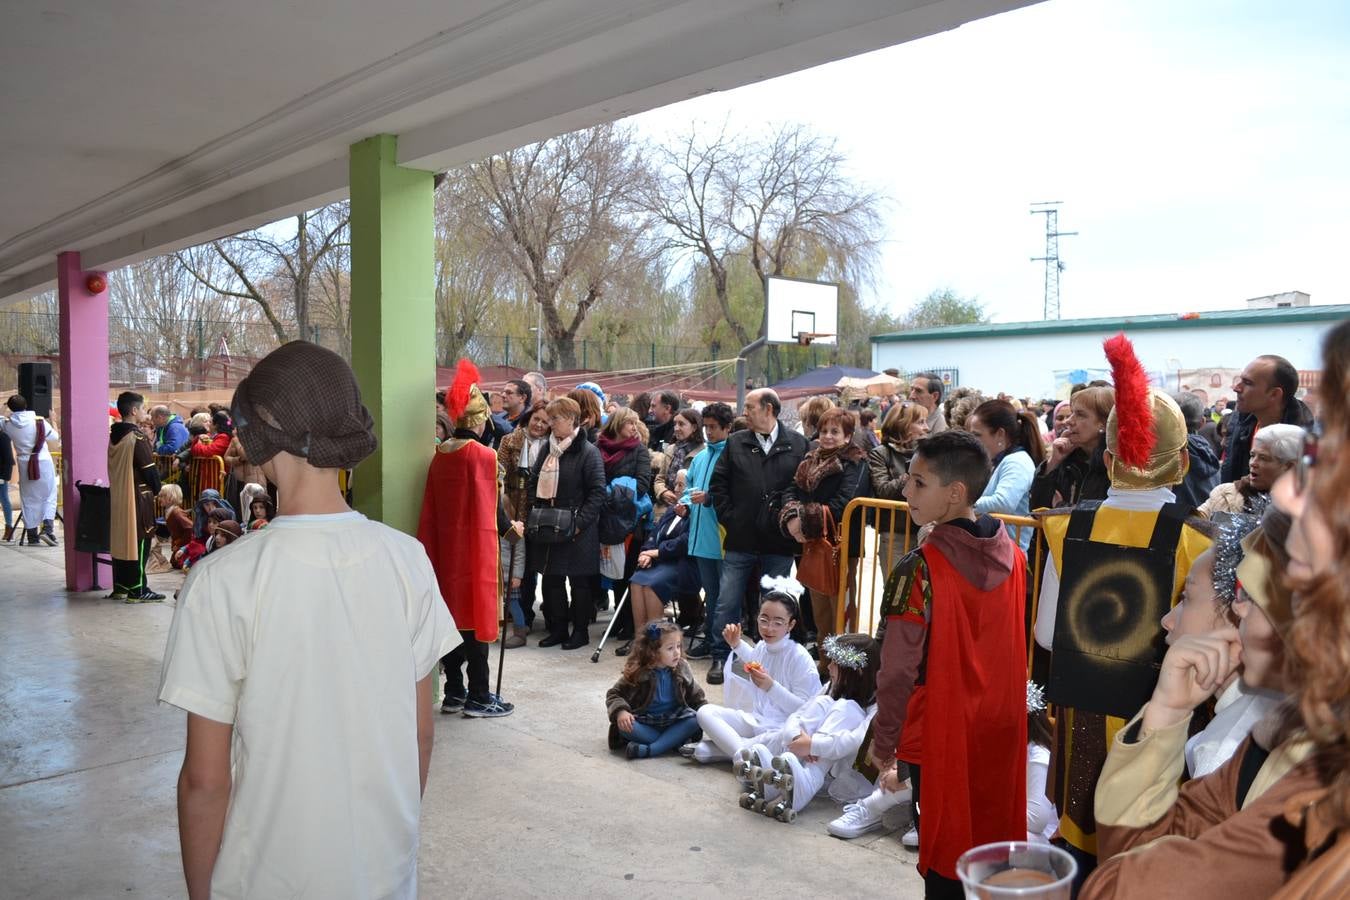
pixel 305 657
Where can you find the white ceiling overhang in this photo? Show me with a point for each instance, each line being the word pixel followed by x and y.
pixel 134 128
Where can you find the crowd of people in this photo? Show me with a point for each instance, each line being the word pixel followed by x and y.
pixel 1187 643
pixel 1164 528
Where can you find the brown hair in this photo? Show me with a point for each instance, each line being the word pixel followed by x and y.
pixel 565 406
pixel 1317 659
pixel 645 649
pixel 846 421
pixel 1097 400
pixel 587 403
pixel 858 685
pixel 811 409
pixel 895 427
pixel 1022 428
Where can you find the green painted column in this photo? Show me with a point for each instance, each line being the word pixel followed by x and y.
pixel 393 327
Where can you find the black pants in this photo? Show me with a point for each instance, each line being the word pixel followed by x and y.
pixel 935 886
pixel 129 574
pixel 558 613
pixel 472 654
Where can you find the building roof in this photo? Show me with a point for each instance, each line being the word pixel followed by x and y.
pixel 1219 318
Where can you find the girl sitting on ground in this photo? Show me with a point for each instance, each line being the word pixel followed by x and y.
pixel 664 569
pixel 779 677
pixel 652 705
pixel 821 739
pixel 260 513
pixel 176 521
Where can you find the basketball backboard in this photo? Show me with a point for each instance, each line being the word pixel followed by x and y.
pixel 797 307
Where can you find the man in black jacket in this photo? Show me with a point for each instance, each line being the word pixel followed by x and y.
pixel 1265 395
pixel 747 493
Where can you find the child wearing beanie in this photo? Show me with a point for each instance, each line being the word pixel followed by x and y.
pixel 313 645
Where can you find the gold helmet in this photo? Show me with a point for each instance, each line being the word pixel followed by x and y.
pixel 464 402
pixel 1145 432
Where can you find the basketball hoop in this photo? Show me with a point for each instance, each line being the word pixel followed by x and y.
pixel 804 338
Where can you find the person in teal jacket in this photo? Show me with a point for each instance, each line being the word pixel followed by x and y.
pixel 705 538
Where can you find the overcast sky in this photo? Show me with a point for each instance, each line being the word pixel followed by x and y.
pixel 1201 149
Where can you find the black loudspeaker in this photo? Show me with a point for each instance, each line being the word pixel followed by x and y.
pixel 35 383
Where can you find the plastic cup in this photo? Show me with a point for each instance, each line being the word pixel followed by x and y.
pixel 1016 869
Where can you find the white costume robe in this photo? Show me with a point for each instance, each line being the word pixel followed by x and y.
pixel 37 497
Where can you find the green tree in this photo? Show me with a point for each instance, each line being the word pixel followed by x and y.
pixel 945 307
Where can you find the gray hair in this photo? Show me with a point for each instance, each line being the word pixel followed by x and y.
pixel 1285 442
pixel 1192 410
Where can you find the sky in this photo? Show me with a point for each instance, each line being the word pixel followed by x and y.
pixel 1201 150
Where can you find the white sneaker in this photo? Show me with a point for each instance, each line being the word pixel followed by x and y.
pixel 856 821
pixel 910 840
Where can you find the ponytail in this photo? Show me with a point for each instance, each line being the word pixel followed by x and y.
pixel 1029 428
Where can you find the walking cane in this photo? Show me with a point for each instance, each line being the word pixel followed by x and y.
pixel 506 616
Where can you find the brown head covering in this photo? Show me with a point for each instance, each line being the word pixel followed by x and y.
pixel 304 400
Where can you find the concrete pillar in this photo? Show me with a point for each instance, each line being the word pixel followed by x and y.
pixel 393 327
pixel 84 401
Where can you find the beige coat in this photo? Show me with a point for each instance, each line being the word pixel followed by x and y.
pixel 1165 842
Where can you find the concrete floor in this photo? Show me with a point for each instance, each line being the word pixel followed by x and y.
pixel 533 805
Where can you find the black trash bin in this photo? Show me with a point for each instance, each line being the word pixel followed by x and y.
pixel 92 532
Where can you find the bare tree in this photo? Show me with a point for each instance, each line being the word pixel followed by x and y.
pixel 784 201
pixel 561 214
pixel 694 196
pixel 467 270
pixel 254 257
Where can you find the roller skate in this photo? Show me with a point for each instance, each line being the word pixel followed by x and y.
pixel 782 779
pixel 752 768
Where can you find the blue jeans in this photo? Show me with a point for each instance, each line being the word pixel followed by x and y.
pixel 737 570
pixel 660 740
pixel 710 576
pixel 5 504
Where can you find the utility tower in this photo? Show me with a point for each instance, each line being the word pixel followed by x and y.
pixel 1053 266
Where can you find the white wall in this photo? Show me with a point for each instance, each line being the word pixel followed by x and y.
pixel 1024 365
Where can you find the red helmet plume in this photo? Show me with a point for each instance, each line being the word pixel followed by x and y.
pixel 1134 406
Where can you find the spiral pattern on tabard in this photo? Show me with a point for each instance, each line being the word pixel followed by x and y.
pixel 1114 611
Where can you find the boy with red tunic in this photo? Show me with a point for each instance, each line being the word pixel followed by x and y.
pixel 953 642
pixel 462 519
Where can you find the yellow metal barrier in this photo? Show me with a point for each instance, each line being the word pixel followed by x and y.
pixel 862 587
pixel 203 473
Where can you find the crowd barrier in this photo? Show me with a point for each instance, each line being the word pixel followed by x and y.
pixel 862 585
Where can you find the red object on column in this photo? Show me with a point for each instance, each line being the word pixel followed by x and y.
pixel 84 400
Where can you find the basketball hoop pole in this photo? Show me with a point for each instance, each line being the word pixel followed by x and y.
pixel 740 370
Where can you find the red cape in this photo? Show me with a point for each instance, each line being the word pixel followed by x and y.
pixel 974 751
pixel 459 530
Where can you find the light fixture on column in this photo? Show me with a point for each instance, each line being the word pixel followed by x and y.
pixel 95 282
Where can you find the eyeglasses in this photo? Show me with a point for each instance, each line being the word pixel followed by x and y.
pixel 776 623
pixel 1308 458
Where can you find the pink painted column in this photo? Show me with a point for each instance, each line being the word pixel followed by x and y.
pixel 84 401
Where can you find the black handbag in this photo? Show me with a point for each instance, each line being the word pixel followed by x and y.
pixel 550 525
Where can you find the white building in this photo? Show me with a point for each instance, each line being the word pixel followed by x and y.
pixel 1042 359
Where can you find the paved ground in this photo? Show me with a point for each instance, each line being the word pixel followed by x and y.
pixel 533 805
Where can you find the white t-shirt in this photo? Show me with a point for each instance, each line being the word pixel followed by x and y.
pixel 309 637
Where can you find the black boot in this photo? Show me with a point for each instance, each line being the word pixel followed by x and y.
pixel 48 534
pixel 32 535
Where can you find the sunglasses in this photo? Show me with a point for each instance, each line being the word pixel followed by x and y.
pixel 1307 460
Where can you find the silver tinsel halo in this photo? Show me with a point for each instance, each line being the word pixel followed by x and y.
pixel 1035 697
pixel 1228 555
pixel 842 655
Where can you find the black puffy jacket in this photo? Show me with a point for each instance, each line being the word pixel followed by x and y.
pixel 747 489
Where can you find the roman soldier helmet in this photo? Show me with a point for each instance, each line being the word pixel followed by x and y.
pixel 1146 432
pixel 464 402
